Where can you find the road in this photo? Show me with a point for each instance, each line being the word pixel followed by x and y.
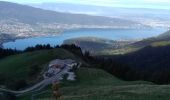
pixel 41 84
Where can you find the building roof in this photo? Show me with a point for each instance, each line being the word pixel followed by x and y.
pixel 61 62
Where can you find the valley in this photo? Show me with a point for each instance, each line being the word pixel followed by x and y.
pixel 95 80
pixel 84 50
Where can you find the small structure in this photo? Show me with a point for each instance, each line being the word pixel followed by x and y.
pixel 57 65
pixel 71 76
pixel 60 63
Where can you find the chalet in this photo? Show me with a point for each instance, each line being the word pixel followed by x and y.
pixel 56 66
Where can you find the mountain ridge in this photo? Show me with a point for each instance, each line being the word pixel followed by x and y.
pixel 32 13
pixel 149 41
pixel 22 21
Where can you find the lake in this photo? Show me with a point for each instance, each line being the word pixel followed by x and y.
pixel 113 34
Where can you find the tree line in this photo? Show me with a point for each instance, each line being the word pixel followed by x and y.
pixel 7 52
pixel 149 64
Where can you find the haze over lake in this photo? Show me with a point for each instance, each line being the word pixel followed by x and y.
pixel 112 34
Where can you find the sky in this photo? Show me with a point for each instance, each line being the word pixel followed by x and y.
pixel 158 4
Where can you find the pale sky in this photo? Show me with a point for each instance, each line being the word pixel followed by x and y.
pixel 159 4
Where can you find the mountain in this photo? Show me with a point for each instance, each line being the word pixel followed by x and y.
pixel 146 16
pixel 22 21
pixel 165 35
pixel 30 15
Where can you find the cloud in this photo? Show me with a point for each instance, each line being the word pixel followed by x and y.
pixel 158 4
pixel 157 1
pixel 92 2
pixel 87 2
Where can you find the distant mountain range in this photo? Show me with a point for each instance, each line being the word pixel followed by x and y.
pixel 23 21
pixel 30 15
pixel 151 17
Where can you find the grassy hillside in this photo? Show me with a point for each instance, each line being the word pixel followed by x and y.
pixel 28 66
pixel 160 43
pixel 161 40
pixel 94 84
pixel 91 84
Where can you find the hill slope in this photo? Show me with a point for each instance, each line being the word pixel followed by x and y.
pixel 91 84
pixel 95 45
pixel 103 86
pixel 150 63
pixel 95 84
pixel 27 67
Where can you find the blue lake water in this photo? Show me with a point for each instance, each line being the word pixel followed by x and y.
pixel 113 34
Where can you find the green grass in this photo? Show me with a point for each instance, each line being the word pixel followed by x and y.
pixel 95 84
pixel 160 43
pixel 117 51
pixel 91 84
pixel 17 67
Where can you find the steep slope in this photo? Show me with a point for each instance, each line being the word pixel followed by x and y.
pixel 150 56
pixel 150 63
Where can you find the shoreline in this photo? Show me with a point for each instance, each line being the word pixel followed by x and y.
pixel 53 35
